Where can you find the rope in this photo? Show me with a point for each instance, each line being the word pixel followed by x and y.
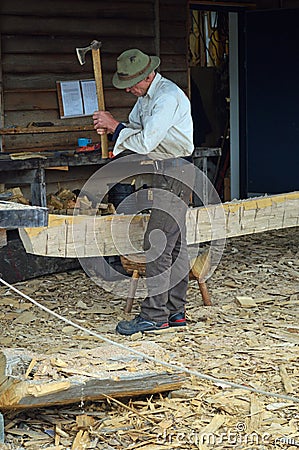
pixel 151 358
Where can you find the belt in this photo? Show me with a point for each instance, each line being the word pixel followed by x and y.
pixel 163 164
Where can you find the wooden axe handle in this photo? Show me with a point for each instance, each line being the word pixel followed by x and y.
pixel 96 60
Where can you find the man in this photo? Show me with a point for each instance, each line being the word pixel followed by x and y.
pixel 160 128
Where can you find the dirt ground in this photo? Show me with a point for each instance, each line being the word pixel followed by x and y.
pixel 250 336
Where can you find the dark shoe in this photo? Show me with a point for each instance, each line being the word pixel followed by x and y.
pixel 177 320
pixel 138 324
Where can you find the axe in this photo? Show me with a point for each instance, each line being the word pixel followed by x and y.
pixel 96 61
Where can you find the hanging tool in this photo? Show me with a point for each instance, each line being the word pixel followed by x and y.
pixel 96 60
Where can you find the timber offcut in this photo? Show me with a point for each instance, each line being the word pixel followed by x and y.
pixel 29 380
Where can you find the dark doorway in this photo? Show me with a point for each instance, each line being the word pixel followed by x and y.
pixel 272 101
pixel 209 80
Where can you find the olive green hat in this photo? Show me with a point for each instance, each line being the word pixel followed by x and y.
pixel 133 66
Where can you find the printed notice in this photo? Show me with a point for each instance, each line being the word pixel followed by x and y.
pixel 77 98
pixel 89 93
pixel 71 98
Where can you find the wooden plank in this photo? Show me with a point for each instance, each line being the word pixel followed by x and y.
pixel 59 64
pixel 17 44
pixel 15 168
pixel 88 27
pixel 66 140
pixel 180 11
pixel 44 99
pixel 43 130
pixel 20 118
pixel 172 45
pixel 173 29
pixel 108 235
pixel 173 62
pixel 72 9
pixel 72 381
pixel 26 100
pixel 45 80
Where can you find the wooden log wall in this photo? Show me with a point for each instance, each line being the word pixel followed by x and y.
pixel 38 42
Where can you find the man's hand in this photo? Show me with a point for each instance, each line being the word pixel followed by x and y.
pixel 104 122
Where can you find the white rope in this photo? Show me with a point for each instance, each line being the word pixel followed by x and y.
pixel 175 367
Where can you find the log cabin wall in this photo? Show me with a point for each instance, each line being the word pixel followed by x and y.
pixel 38 41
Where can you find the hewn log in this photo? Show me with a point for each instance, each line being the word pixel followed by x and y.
pixel 109 374
pixel 87 236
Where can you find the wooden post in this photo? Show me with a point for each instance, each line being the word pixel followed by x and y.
pixel 132 291
pixel 38 188
pixel 204 293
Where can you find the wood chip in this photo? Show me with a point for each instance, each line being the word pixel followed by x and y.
pixel 287 383
pixel 246 302
pixel 81 441
pixel 255 346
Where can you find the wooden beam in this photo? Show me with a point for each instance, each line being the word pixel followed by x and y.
pixel 15 215
pixel 23 383
pixel 41 130
pixel 87 236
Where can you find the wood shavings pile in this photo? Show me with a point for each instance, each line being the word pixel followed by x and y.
pixel 249 336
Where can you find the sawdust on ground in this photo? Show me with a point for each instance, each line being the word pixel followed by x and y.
pixel 250 336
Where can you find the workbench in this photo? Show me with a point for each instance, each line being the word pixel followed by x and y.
pixel 32 169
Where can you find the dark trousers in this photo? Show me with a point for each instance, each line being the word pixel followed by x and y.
pixel 167 262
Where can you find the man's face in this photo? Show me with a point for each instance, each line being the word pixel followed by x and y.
pixel 139 89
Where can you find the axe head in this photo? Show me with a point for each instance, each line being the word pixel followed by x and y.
pixel 81 52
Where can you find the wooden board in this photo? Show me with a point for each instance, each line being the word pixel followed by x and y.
pixel 86 236
pixel 30 380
